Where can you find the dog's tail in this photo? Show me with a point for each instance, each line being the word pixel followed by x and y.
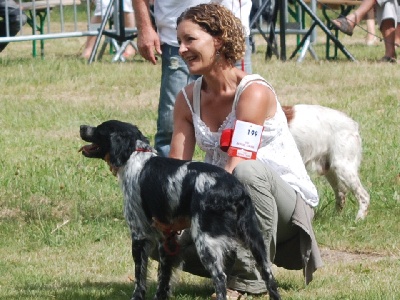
pixel 249 232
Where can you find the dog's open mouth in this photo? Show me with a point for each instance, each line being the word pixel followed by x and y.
pixel 91 150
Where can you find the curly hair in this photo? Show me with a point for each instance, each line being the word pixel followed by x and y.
pixel 221 23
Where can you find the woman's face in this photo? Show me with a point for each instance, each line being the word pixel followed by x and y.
pixel 196 47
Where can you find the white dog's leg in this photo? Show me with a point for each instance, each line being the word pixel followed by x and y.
pixel 343 181
pixel 340 191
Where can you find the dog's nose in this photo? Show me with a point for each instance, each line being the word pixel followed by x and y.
pixel 84 128
pixel 84 131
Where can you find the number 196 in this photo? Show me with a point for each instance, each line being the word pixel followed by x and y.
pixel 251 132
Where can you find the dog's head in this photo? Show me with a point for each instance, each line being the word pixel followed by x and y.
pixel 114 141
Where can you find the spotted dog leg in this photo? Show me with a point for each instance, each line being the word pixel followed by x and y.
pixel 140 253
pixel 164 273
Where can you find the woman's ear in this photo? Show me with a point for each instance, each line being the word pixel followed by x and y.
pixel 217 44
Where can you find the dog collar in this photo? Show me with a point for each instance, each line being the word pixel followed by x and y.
pixel 114 170
pixel 143 150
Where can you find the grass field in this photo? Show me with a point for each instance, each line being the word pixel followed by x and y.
pixel 62 233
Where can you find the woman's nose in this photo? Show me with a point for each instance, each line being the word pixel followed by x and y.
pixel 182 49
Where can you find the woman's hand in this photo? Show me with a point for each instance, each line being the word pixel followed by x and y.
pixel 148 41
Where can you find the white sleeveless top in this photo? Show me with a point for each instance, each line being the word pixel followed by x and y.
pixel 278 149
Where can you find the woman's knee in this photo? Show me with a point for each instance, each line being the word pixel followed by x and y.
pixel 244 170
pixel 250 171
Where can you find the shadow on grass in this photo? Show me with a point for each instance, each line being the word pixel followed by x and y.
pixel 106 290
pixel 121 291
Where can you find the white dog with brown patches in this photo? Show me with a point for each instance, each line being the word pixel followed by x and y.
pixel 330 144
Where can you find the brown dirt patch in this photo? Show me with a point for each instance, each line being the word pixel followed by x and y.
pixel 330 256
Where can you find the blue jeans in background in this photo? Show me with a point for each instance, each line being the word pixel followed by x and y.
pixel 175 76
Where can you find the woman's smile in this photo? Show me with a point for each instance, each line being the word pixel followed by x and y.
pixel 189 58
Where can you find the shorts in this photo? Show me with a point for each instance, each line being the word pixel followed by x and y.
pixel 388 9
pixel 101 7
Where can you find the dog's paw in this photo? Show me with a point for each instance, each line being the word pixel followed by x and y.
pixel 138 295
pixel 161 295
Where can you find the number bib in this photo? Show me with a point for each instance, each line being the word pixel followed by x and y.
pixel 246 139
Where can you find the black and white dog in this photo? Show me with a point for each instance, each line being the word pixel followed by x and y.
pixel 163 195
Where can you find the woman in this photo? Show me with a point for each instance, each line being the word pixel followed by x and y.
pixel 226 101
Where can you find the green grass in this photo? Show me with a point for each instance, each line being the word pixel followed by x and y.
pixel 62 233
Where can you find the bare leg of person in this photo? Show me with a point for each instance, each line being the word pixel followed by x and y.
pixel 370 38
pixel 388 32
pixel 90 41
pixel 397 36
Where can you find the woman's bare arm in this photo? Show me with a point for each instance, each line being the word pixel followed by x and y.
pixel 256 104
pixel 183 138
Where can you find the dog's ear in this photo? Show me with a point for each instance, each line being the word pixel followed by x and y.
pixel 141 137
pixel 141 142
pixel 143 146
pixel 122 145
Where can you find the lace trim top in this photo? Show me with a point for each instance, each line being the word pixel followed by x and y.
pixel 277 149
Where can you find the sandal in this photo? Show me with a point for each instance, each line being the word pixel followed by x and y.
pixel 231 295
pixel 388 59
pixel 344 25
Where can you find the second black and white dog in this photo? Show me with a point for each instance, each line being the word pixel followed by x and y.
pixel 178 194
